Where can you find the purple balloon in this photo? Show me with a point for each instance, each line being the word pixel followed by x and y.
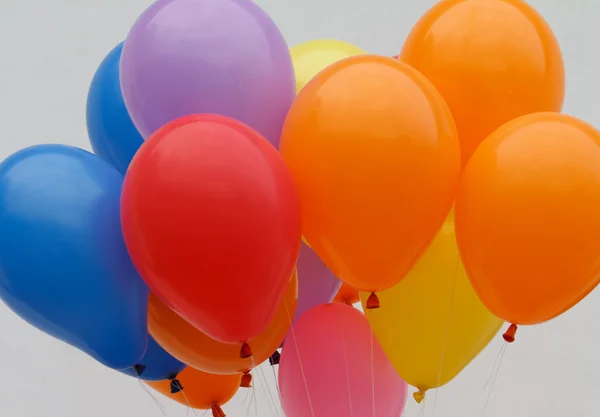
pixel 222 57
pixel 316 283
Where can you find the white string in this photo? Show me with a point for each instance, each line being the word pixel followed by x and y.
pixel 189 406
pixel 276 409
pixel 312 411
pixel 447 332
pixel 346 364
pixel 158 403
pixel 276 376
pixel 372 371
pixel 487 400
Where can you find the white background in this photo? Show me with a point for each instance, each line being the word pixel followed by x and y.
pixel 49 52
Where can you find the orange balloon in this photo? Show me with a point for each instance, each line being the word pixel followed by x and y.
pixel 491 60
pixel 201 390
pixel 347 295
pixel 375 155
pixel 528 217
pixel 194 348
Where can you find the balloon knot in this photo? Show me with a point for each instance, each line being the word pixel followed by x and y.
pixel 245 351
pixel 419 396
pixel 176 386
pixel 396 57
pixel 217 411
pixel 139 369
pixel 246 381
pixel 275 358
pixel 509 335
pixel 372 301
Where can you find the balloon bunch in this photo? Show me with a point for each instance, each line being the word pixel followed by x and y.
pixel 237 183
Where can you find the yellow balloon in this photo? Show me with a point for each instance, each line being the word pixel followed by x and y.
pixel 311 57
pixel 433 309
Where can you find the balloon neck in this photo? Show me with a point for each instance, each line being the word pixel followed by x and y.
pixel 217 411
pixel 176 386
pixel 245 351
pixel 275 358
pixel 139 369
pixel 396 57
pixel 372 301
pixel 246 381
pixel 509 335
pixel 419 396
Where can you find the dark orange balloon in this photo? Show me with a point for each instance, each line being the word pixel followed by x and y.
pixel 374 152
pixel 347 295
pixel 491 60
pixel 202 390
pixel 194 348
pixel 527 217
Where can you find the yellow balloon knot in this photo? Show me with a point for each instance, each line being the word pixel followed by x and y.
pixel 419 396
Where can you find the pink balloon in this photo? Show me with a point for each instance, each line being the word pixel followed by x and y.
pixel 334 344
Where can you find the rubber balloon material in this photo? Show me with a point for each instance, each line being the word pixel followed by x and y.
pixel 487 80
pixel 316 283
pixel 65 268
pixel 433 315
pixel 200 389
pixel 347 295
pixel 375 155
pixel 309 58
pixel 112 134
pixel 211 218
pixel 156 364
pixel 244 72
pixel 334 358
pixel 527 221
pixel 200 351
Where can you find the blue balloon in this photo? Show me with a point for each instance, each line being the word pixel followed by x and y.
pixel 156 364
pixel 112 134
pixel 64 267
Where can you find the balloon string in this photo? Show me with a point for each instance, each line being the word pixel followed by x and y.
pixel 189 406
pixel 312 411
pixel 158 403
pixel 447 332
pixel 494 366
pixel 372 371
pixel 487 400
pixel 261 372
pixel 276 378
pixel 346 363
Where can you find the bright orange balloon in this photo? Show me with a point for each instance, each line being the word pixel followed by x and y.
pixel 202 390
pixel 491 60
pixel 374 152
pixel 347 295
pixel 528 217
pixel 194 348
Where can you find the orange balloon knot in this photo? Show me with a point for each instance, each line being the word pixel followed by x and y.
pixel 275 358
pixel 175 385
pixel 372 301
pixel 509 335
pixel 245 352
pixel 246 381
pixel 419 396
pixel 217 411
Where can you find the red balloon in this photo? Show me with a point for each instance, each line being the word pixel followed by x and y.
pixel 211 218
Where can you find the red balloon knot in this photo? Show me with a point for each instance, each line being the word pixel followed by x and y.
pixel 372 301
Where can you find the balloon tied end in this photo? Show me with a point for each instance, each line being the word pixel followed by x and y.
pixel 217 411
pixel 372 301
pixel 246 381
pixel 176 386
pixel 245 351
pixel 509 335
pixel 275 358
pixel 419 396
pixel 139 369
